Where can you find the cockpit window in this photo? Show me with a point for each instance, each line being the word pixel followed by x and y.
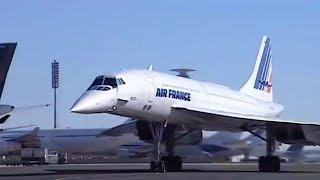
pixel 99 88
pixel 103 83
pixel 97 81
pixel 120 81
pixel 105 88
pixel 110 81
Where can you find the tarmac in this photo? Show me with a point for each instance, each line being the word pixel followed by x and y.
pixel 191 171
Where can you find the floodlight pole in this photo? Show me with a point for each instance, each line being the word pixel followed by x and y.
pixel 55 85
pixel 55 108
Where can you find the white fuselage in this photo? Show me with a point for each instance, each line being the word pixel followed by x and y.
pixel 148 95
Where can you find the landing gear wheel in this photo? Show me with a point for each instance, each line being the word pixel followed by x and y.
pixel 157 166
pixel 61 159
pixel 269 164
pixel 153 166
pixel 172 163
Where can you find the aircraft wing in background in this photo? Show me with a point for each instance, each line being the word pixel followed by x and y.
pixel 135 150
pixel 125 128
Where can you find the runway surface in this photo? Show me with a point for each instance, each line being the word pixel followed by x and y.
pixel 140 171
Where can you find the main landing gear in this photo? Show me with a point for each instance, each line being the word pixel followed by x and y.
pixel 164 162
pixel 269 163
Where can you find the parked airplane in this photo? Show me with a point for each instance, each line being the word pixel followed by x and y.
pixel 123 144
pixel 75 141
pixel 80 141
pixel 301 154
pixel 235 144
pixel 161 102
pixel 220 145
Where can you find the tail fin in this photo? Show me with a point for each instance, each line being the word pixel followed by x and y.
pixel 6 55
pixel 259 84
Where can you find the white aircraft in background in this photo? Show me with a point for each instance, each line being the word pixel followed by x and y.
pixel 161 102
pixel 61 141
pixel 123 143
pixel 78 141
pixel 233 144
pixel 194 143
pixel 301 154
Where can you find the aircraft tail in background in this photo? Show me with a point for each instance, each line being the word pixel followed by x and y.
pixel 6 55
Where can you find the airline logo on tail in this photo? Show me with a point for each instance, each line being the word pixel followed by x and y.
pixel 263 81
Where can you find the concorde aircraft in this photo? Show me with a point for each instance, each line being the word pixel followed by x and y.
pixel 161 102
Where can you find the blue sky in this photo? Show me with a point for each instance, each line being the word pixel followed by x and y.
pixel 219 39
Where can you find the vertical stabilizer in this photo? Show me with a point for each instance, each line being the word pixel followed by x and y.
pixel 259 84
pixel 6 55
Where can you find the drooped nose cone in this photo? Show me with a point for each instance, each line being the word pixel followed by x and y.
pixel 81 106
pixel 94 102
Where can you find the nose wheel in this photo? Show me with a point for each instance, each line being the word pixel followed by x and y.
pixel 167 164
pixel 172 163
pixel 157 166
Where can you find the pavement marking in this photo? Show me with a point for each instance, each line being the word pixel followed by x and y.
pixel 61 178
pixel 220 164
pixel 108 164
pixel 147 164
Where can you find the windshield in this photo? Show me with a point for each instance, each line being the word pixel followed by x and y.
pixel 105 83
pixel 110 81
pixel 97 81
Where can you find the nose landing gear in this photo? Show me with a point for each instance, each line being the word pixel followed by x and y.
pixel 172 163
pixel 157 166
pixel 169 162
